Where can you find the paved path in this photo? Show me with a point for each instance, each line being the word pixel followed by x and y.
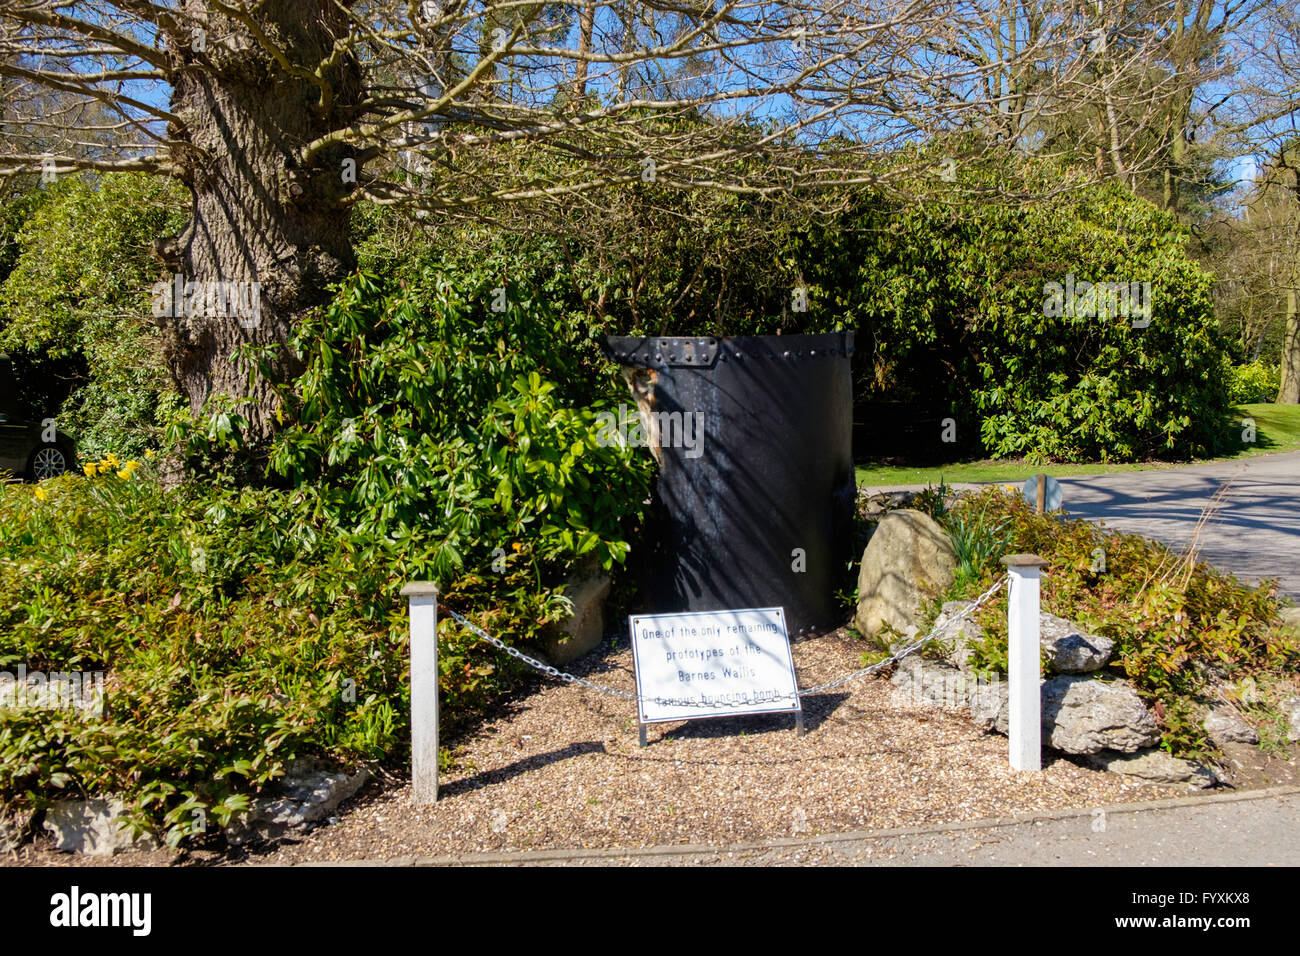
pixel 1255 533
pixel 1249 828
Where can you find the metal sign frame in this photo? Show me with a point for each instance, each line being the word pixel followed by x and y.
pixel 783 707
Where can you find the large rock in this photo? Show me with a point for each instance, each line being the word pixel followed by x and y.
pixel 583 629
pixel 1224 725
pixel 1083 716
pixel 96 827
pixel 14 825
pixel 304 795
pixel 1291 711
pixel 1071 649
pixel 959 633
pixel 1291 618
pixel 909 560
pixel 932 682
pixel 1155 766
pixel 1079 715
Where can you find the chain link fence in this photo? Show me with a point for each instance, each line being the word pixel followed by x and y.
pixel 908 649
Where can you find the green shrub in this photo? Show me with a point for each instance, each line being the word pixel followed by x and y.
pixel 947 297
pixel 229 623
pixel 79 287
pixel 1253 383
pixel 1177 625
pixel 243 627
pixel 422 409
pixel 978 540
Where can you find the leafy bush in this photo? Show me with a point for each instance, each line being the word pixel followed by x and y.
pixel 229 623
pixel 1253 383
pixel 78 286
pixel 978 540
pixel 1177 625
pixel 422 409
pixel 948 298
pixel 242 628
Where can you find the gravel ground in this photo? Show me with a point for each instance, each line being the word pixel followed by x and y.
pixel 561 769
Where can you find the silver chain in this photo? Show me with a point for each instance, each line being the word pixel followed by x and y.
pixel 568 678
pixel 911 648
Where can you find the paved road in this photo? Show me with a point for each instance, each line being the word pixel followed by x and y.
pixel 1254 533
pixel 1259 828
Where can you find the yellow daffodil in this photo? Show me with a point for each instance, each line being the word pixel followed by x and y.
pixel 89 469
pixel 41 493
pixel 149 453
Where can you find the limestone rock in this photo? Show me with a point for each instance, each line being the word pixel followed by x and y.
pixel 910 558
pixel 1072 650
pixel 1155 766
pixel 1291 710
pixel 14 826
pixel 990 706
pixel 1081 715
pixel 95 827
pixel 1225 726
pixel 959 636
pixel 303 796
pixel 582 631
pixel 1291 617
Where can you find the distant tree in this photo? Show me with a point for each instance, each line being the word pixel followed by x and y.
pixel 280 116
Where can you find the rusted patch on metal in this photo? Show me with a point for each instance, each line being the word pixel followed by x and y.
pixel 642 382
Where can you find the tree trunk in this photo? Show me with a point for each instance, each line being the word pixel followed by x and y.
pixel 270 232
pixel 1289 393
pixel 586 25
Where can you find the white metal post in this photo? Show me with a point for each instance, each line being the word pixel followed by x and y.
pixel 423 597
pixel 1023 677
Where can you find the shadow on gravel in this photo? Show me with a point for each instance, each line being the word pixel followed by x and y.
pixel 815 712
pixel 818 707
pixel 509 771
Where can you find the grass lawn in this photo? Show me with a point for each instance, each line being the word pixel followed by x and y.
pixel 1277 429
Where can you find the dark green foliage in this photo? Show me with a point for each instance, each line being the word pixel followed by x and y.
pixel 428 439
pixel 81 267
pixel 949 301
pixel 421 409
pixel 1253 383
pixel 229 624
pixel 1175 623
pixel 947 298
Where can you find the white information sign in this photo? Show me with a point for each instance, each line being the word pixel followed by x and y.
pixel 713 664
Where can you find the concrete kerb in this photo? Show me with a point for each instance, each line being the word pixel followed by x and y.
pixel 692 849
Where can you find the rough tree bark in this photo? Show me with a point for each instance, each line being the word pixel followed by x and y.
pixel 1289 393
pixel 256 215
